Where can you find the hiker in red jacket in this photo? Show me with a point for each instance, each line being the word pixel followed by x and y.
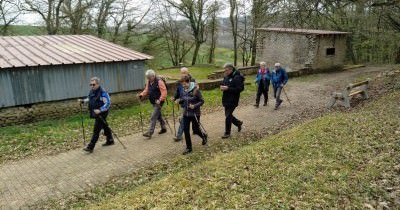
pixel 156 90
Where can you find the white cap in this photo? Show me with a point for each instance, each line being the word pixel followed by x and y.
pixel 277 64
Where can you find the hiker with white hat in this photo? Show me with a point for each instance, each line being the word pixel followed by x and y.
pixel 279 79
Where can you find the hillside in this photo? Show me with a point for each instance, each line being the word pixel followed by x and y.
pixel 340 160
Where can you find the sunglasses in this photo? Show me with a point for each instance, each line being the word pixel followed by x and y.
pixel 92 85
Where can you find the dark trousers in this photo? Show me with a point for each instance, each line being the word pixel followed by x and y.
pixel 229 119
pixel 263 88
pixel 195 127
pixel 98 126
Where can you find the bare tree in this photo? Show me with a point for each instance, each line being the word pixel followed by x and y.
pixel 174 31
pixel 196 12
pixel 213 28
pixel 49 11
pixel 102 14
pixel 120 13
pixel 9 11
pixel 234 20
pixel 137 18
pixel 76 12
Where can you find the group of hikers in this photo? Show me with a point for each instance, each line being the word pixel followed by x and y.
pixel 188 96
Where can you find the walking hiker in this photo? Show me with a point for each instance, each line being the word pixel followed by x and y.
pixel 178 94
pixel 156 90
pixel 232 86
pixel 279 79
pixel 99 103
pixel 191 101
pixel 262 80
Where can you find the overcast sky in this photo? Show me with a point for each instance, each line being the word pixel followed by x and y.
pixel 35 19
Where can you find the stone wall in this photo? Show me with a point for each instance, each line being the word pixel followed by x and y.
pixel 323 61
pixel 298 52
pixel 244 70
pixel 56 109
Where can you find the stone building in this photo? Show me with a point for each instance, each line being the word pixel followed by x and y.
pixel 41 76
pixel 301 49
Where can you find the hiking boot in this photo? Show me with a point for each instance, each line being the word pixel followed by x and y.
pixel 148 135
pixel 108 143
pixel 205 139
pixel 177 139
pixel 265 104
pixel 256 105
pixel 187 151
pixel 162 131
pixel 87 149
pixel 240 126
pixel 226 136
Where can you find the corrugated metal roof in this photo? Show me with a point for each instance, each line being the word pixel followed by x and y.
pixel 20 51
pixel 302 31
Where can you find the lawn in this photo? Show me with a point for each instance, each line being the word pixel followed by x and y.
pixel 338 161
pixel 198 72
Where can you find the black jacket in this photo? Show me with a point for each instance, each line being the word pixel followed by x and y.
pixel 235 83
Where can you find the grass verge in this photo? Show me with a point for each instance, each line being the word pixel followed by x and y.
pixel 342 160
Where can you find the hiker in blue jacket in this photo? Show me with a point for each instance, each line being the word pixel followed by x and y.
pixel 279 79
pixel 191 101
pixel 178 94
pixel 262 80
pixel 99 103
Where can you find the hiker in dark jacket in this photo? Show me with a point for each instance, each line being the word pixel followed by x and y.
pixel 98 102
pixel 232 86
pixel 262 80
pixel 156 90
pixel 279 79
pixel 178 94
pixel 191 101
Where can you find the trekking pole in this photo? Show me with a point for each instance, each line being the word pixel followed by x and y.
pixel 141 114
pixel 173 115
pixel 201 125
pixel 166 121
pixel 286 95
pixel 105 123
pixel 83 127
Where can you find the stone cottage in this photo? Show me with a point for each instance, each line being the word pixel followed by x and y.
pixel 301 49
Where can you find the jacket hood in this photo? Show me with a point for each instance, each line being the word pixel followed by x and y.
pixel 192 85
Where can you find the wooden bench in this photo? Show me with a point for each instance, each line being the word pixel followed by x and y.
pixel 350 91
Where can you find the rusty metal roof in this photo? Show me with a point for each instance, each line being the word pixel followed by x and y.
pixel 303 31
pixel 21 51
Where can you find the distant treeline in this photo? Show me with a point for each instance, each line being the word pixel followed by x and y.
pixel 190 31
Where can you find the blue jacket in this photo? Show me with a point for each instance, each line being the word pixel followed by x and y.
pixel 260 76
pixel 98 99
pixel 279 77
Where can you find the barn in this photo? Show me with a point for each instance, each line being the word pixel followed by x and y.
pixel 38 71
pixel 301 49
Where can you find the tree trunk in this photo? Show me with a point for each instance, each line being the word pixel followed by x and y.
pixel 196 52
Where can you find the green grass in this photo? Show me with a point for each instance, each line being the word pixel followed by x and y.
pixel 341 160
pixel 26 30
pixel 58 135
pixel 198 72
